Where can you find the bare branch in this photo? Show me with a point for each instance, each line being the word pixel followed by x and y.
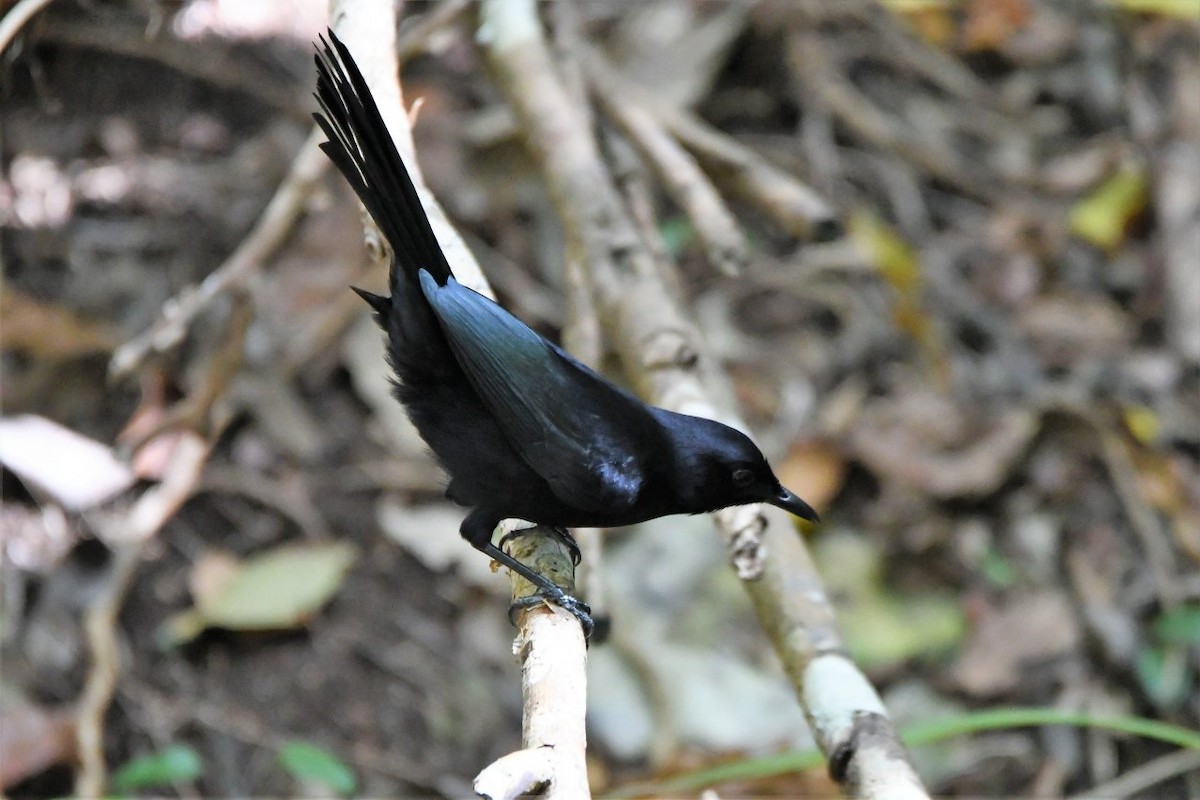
pixel 551 649
pixel 677 169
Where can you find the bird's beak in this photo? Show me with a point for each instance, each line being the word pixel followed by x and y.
pixel 793 504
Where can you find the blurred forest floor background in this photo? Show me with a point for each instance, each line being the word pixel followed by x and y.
pixel 983 368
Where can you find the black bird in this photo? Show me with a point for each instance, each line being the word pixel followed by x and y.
pixel 523 429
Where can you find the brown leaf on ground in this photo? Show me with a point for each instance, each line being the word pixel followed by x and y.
pixel 927 442
pixel 1066 329
pixel 1030 630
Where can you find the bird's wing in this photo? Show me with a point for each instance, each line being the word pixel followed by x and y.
pixel 576 430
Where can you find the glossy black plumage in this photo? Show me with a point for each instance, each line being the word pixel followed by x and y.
pixel 523 429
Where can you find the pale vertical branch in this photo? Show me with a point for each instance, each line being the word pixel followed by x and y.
pixel 550 641
pixel 581 332
pixel 368 28
pixel 550 647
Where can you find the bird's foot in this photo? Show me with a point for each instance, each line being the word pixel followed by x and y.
pixel 579 609
pixel 548 590
pixel 562 534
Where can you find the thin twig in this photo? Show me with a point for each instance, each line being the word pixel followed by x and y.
pixel 794 206
pixel 1138 780
pixel 189 58
pixel 412 40
pixel 811 62
pixel 100 624
pixel 128 535
pixel 938 66
pixel 1147 526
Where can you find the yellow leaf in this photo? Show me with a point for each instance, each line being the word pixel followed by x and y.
pixel 1182 9
pixel 932 20
pixel 913 320
pixel 1142 422
pixel 890 254
pixel 1103 216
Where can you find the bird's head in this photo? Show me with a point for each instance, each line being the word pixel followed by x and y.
pixel 724 468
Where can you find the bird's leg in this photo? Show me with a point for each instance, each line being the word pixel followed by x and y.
pixel 477 529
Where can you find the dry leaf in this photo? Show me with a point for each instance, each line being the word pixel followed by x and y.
pixel 1032 628
pixel 279 589
pixel 33 739
pixel 989 24
pixel 76 472
pixel 815 470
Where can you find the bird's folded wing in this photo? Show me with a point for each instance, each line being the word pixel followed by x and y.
pixel 577 431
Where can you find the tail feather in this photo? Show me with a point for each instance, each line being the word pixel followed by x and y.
pixel 361 147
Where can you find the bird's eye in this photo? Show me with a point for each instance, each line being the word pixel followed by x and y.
pixel 743 477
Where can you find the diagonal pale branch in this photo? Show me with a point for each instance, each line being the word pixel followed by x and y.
pixel 676 169
pixel 737 169
pixel 667 358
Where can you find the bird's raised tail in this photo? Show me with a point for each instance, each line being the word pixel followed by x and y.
pixel 362 148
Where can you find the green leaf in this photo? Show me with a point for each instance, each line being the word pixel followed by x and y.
pixel 308 763
pixel 1165 675
pixel 677 234
pixel 281 588
pixel 176 763
pixel 998 570
pixel 1180 625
